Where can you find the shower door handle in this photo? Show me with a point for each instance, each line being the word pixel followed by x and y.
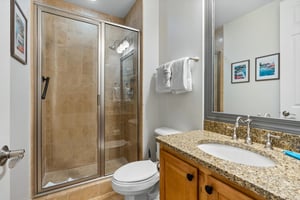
pixel 47 79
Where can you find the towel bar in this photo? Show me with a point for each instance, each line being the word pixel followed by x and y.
pixel 194 58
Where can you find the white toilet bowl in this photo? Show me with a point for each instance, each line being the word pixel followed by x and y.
pixel 139 180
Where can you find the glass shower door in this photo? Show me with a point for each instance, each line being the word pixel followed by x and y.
pixel 120 97
pixel 69 92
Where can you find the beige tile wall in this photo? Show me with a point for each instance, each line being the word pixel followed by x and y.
pixel 113 118
pixel 118 114
pixel 135 15
pixel 80 10
pixel 69 112
pixel 134 19
pixel 134 125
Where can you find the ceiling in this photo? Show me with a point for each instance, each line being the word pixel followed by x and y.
pixel 118 8
pixel 227 10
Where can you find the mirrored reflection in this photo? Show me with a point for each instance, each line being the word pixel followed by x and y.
pixel 255 72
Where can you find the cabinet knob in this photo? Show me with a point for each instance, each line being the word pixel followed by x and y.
pixel 190 177
pixel 209 189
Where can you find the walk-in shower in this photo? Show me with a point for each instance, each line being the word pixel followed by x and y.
pixel 87 98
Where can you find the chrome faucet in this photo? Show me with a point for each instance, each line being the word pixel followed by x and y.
pixel 269 140
pixel 236 125
pixel 247 121
pixel 248 139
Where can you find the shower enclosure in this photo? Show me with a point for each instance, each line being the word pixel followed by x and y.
pixel 87 98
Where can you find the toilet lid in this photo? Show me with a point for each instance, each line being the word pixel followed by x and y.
pixel 136 171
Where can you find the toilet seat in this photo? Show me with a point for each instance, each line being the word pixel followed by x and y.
pixel 136 177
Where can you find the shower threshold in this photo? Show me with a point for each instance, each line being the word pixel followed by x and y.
pixel 58 177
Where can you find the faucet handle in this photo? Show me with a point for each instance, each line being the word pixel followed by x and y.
pixel 238 120
pixel 248 120
pixel 234 135
pixel 268 144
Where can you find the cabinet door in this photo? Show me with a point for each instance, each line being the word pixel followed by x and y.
pixel 222 191
pixel 178 179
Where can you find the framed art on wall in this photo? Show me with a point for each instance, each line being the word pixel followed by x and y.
pixel 18 38
pixel 240 71
pixel 267 67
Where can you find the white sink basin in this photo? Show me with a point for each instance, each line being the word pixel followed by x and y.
pixel 236 155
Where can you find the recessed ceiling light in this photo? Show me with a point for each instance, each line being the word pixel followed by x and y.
pixel 93 0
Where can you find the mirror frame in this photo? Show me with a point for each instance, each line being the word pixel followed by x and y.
pixel 286 126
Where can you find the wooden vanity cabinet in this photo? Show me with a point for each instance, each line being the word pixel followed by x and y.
pixel 183 179
pixel 222 191
pixel 178 179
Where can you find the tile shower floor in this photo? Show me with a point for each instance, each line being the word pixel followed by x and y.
pixel 64 176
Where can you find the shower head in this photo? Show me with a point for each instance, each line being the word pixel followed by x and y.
pixel 114 45
pixel 121 45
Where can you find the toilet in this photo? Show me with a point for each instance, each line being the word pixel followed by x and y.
pixel 139 180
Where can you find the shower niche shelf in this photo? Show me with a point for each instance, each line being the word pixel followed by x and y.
pixel 115 144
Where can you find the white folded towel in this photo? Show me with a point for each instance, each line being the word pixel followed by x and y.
pixel 163 78
pixel 181 80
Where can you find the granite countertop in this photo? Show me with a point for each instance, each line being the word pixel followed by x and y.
pixel 279 182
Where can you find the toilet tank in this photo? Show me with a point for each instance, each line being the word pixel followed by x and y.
pixel 161 132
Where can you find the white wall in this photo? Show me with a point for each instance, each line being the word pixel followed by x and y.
pixel 171 29
pixel 14 106
pixel 4 94
pixel 180 36
pixel 258 35
pixel 150 61
pixel 14 115
pixel 20 117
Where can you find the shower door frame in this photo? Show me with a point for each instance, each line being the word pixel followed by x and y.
pixel 37 154
pixel 53 11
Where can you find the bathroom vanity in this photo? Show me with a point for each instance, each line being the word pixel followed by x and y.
pixel 189 173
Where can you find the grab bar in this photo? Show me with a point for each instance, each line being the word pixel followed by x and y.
pixel 6 154
pixel 44 93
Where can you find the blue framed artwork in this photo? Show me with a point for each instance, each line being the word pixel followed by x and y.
pixel 18 38
pixel 240 72
pixel 267 67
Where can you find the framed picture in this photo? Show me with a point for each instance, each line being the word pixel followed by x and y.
pixel 267 67
pixel 240 71
pixel 18 37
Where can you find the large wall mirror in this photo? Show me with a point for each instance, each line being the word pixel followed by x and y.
pixel 252 62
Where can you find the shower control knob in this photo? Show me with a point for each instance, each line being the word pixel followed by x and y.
pixel 190 177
